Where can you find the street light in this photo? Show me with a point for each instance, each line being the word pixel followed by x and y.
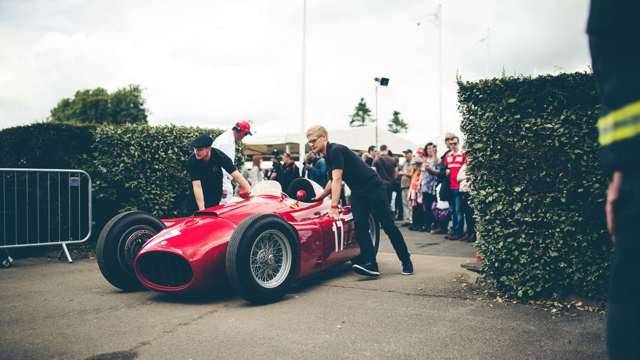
pixel 382 81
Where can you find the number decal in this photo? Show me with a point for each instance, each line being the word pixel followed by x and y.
pixel 339 240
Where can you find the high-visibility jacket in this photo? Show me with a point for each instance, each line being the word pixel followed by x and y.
pixel 614 39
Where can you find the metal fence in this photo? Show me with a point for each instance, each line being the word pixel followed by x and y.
pixel 44 207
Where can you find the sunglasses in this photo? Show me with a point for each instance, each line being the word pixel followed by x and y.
pixel 453 143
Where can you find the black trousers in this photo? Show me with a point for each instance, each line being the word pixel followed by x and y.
pixel 468 213
pixel 623 317
pixel 427 201
pixel 376 202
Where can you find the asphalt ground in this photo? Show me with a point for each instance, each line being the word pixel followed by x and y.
pixel 54 310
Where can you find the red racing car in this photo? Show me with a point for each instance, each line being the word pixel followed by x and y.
pixel 262 244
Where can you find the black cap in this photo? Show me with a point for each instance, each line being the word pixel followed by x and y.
pixel 201 141
pixel 408 151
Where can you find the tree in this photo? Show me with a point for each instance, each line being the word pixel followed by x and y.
pixel 96 106
pixel 397 124
pixel 361 116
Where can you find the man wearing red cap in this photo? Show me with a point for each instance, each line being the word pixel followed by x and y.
pixel 226 142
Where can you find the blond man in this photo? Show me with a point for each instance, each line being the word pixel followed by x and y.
pixel 368 196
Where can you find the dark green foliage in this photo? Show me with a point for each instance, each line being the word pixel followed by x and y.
pixel 397 124
pixel 361 115
pixel 143 167
pixel 132 166
pixel 97 106
pixel 45 145
pixel 538 186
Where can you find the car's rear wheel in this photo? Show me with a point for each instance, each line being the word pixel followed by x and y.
pixel 374 233
pixel 118 244
pixel 262 258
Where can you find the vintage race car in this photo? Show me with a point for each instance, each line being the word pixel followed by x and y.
pixel 261 245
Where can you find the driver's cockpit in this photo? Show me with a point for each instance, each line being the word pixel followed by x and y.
pixel 300 189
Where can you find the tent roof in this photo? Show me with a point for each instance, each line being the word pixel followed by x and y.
pixel 356 138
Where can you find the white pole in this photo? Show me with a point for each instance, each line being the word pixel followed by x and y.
pixel 440 70
pixel 303 89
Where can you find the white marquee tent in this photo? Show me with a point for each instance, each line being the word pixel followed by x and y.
pixel 356 138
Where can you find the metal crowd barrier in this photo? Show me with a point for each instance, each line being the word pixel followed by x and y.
pixel 40 207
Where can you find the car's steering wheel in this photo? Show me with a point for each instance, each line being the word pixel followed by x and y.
pixel 301 189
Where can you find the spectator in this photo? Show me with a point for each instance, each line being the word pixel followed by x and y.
pixel 385 165
pixel 370 155
pixel 428 183
pixel 288 173
pixel 454 161
pixel 405 181
pixel 397 191
pixel 276 166
pixel 444 192
pixel 254 174
pixel 415 196
pixel 316 169
pixel 470 235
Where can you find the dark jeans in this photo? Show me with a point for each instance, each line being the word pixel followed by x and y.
pixel 468 213
pixel 427 201
pixel 376 203
pixel 417 215
pixel 457 215
pixel 623 317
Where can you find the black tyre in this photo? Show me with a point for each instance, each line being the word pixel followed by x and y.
pixel 119 242
pixel 374 233
pixel 262 258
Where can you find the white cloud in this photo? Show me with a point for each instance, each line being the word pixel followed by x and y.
pixel 211 63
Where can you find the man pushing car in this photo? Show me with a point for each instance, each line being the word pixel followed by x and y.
pixel 368 196
pixel 206 166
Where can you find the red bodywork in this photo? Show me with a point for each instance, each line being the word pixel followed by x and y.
pixel 202 241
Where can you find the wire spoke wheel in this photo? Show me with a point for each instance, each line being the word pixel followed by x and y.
pixel 270 259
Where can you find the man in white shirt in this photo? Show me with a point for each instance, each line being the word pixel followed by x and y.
pixel 226 142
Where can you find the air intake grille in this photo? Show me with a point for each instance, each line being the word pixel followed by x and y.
pixel 165 269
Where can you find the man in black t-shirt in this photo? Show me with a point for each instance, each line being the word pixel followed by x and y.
pixel 368 196
pixel 205 170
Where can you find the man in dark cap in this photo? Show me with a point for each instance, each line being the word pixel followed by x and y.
pixel 205 169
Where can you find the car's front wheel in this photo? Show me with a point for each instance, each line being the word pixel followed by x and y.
pixel 262 258
pixel 118 244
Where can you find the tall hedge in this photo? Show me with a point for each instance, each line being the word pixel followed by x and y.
pixel 132 166
pixel 143 167
pixel 538 188
pixel 45 145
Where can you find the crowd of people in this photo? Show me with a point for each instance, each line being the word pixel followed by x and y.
pixel 427 191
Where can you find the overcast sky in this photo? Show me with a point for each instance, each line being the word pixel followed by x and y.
pixel 210 63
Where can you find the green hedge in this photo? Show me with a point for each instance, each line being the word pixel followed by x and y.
pixel 132 166
pixel 538 185
pixel 143 167
pixel 45 145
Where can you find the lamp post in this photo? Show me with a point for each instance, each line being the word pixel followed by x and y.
pixel 382 81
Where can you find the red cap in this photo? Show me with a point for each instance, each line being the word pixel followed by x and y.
pixel 244 127
pixel 420 151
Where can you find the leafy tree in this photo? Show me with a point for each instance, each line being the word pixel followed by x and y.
pixel 97 106
pixel 127 106
pixel 361 116
pixel 397 124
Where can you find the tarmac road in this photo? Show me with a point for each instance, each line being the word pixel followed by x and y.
pixel 55 310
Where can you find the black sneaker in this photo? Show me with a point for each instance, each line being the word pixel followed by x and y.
pixel 366 269
pixel 407 268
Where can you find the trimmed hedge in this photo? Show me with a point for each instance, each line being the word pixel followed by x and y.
pixel 45 145
pixel 143 167
pixel 132 166
pixel 538 188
